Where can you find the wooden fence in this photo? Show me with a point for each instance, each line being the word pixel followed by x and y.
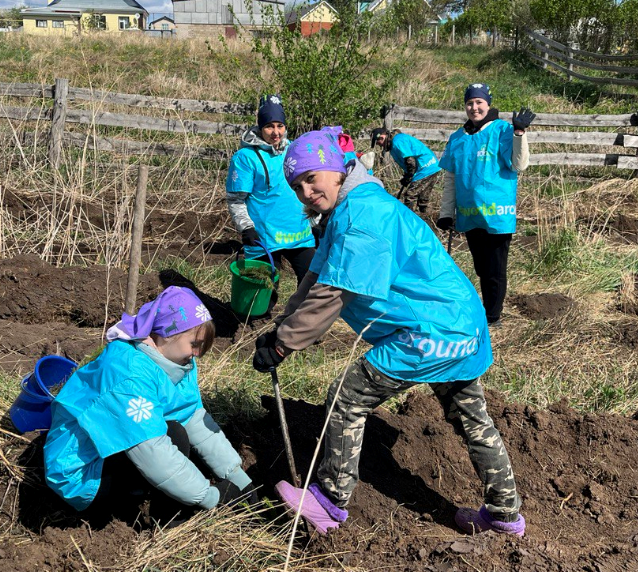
pixel 623 136
pixel 545 47
pixel 628 139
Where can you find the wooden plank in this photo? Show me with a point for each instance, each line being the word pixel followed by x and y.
pixel 128 147
pixel 580 63
pixel 134 100
pixel 559 46
pixel 627 162
pixel 26 90
pixel 597 80
pixel 549 119
pixel 586 159
pixel 562 138
pixel 25 113
pixel 129 99
pixel 170 125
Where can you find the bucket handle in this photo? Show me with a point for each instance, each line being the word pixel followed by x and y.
pixel 39 397
pixel 270 258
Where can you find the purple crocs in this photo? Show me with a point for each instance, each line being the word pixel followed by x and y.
pixel 311 510
pixel 336 513
pixel 475 521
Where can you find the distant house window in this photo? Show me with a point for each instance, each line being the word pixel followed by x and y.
pixel 57 23
pixel 165 27
pixel 124 23
pixel 41 23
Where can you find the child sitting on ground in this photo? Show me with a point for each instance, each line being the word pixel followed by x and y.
pixel 132 416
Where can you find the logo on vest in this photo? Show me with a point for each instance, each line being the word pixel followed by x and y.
pixel 441 348
pixel 139 409
pixel 483 154
pixel 491 210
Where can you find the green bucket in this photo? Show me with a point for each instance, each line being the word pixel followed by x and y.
pixel 250 296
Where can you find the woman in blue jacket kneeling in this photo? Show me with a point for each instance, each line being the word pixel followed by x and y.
pixel 380 268
pixel 133 415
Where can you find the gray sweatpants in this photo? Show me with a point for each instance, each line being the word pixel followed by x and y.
pixel 463 402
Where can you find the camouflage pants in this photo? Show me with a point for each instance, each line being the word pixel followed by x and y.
pixel 416 196
pixel 463 402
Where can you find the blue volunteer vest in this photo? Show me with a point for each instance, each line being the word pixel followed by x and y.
pixel 277 213
pixel 113 403
pixel 485 181
pixel 424 318
pixel 407 146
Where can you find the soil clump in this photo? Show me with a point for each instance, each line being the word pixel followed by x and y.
pixel 544 306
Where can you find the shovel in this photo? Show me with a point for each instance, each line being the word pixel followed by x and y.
pixel 449 242
pixel 284 429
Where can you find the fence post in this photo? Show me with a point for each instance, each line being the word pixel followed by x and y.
pixel 516 39
pixel 409 32
pixel 436 35
pixel 60 94
pixel 137 233
pixel 570 54
pixel 545 56
pixel 453 33
pixel 387 119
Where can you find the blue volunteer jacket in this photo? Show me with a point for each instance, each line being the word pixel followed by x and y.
pixel 407 146
pixel 274 209
pixel 416 308
pixel 484 177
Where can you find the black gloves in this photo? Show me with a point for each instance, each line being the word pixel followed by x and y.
pixel 266 356
pixel 523 120
pixel 266 359
pixel 266 340
pixel 249 236
pixel 445 223
pixel 229 493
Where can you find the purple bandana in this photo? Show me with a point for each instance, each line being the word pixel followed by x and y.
pixel 174 311
pixel 314 151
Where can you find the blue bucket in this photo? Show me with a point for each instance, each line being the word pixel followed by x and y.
pixel 32 409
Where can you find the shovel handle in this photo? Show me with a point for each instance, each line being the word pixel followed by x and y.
pixel 449 241
pixel 284 429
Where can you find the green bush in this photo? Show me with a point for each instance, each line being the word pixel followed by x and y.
pixel 332 78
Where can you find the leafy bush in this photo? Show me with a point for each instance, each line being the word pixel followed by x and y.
pixel 332 78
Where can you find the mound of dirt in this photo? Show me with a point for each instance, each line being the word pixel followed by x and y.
pixel 544 306
pixel 21 345
pixel 33 291
pixel 575 472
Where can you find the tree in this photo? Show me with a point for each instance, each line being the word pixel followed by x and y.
pixel 331 78
pixel 11 17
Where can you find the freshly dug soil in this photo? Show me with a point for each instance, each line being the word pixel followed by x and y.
pixel 542 306
pixel 575 472
pixel 33 292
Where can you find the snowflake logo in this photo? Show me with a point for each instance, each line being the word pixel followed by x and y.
pixel 139 409
pixel 275 99
pixel 477 85
pixel 234 176
pixel 289 166
pixel 202 313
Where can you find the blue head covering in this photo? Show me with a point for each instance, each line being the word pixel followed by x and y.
pixel 314 151
pixel 270 110
pixel 480 90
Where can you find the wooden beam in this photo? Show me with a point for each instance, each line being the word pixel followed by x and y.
pixel 559 46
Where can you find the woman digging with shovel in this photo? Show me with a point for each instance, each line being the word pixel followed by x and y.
pixel 129 420
pixel 381 268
